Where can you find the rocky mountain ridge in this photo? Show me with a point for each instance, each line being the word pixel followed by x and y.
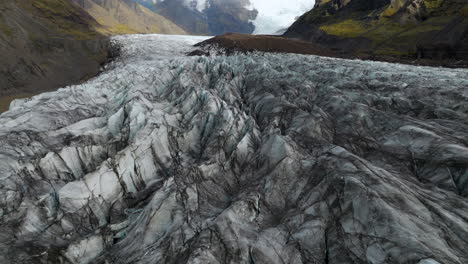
pixel 429 29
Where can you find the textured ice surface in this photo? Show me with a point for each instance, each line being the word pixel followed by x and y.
pixel 260 158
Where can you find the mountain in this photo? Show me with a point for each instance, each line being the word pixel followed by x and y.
pixel 126 17
pixel 249 158
pixel 215 17
pixel 46 44
pixel 275 16
pixel 187 17
pixel 210 17
pixel 425 29
pixel 230 16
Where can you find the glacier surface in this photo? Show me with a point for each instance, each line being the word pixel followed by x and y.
pixel 252 158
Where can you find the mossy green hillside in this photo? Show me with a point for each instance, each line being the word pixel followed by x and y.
pixel 433 4
pixel 386 34
pixel 348 28
pixel 66 17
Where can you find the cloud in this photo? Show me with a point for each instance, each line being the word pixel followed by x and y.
pixel 276 15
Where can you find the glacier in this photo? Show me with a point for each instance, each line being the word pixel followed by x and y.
pixel 250 158
pixel 275 16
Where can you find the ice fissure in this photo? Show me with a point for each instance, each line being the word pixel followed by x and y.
pixel 251 158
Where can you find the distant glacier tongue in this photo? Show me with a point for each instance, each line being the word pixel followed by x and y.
pixel 277 15
pixel 257 158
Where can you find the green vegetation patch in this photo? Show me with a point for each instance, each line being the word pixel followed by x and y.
pixel 421 29
pixel 54 7
pixel 383 31
pixel 376 31
pixel 122 29
pixel 433 4
pixel 387 33
pixel 348 28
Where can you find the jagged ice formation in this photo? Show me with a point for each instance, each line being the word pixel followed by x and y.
pixel 257 158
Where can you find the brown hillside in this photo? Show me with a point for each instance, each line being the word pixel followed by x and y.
pixel 127 17
pixel 233 43
pixel 46 44
pixel 264 43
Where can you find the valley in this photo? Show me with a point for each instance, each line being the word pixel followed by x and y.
pixel 259 157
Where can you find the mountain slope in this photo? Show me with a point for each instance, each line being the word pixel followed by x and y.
pixel 126 17
pixel 433 29
pixel 190 19
pixel 211 17
pixel 230 16
pixel 215 17
pixel 46 44
pixel 258 158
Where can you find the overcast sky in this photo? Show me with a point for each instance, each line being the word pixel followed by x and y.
pixel 276 15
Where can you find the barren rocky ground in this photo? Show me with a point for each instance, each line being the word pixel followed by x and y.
pixel 250 158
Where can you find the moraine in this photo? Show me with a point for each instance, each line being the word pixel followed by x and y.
pixel 260 158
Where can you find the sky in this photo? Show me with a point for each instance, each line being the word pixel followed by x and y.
pixel 275 15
